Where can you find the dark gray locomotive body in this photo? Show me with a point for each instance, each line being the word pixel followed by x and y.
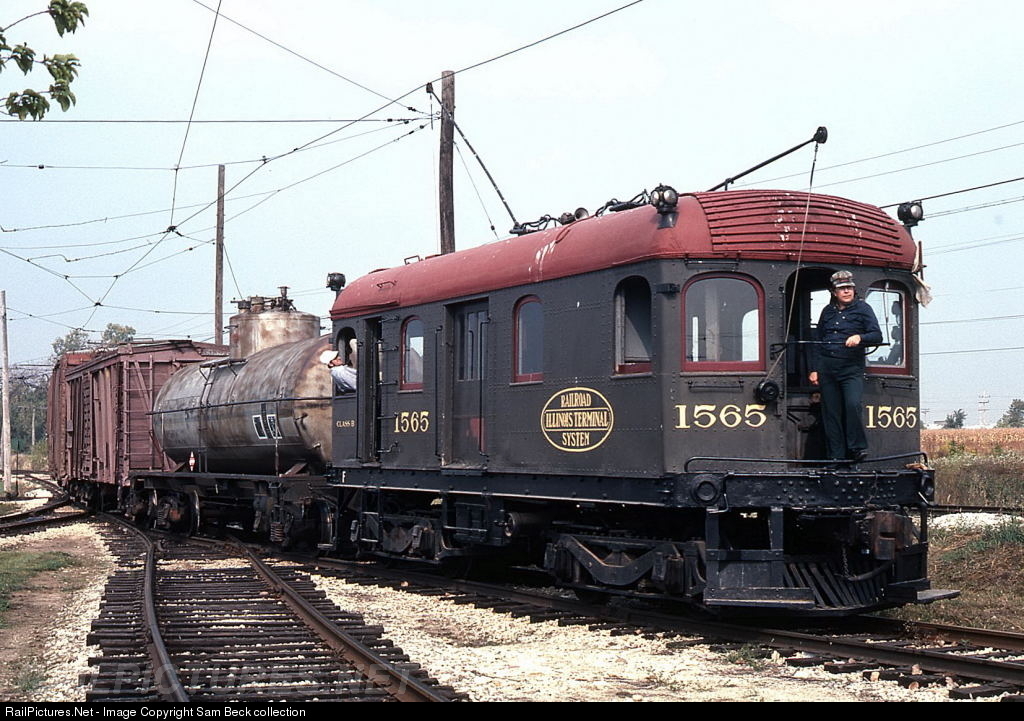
pixel 624 402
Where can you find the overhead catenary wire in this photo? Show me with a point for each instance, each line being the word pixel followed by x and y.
pixel 921 165
pixel 973 350
pixel 312 143
pixel 195 102
pixel 891 153
pixel 347 123
pixel 298 55
pixel 212 121
pixel 960 191
pixel 164 234
pixel 203 166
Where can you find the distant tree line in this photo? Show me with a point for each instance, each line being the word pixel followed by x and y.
pixel 1014 416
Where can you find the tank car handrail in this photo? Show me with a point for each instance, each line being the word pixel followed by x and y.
pixel 222 361
pixel 249 402
pixel 823 464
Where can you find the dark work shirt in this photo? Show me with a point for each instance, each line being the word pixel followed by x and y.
pixel 835 326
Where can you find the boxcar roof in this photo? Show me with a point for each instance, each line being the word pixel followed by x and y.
pixel 738 224
pixel 160 351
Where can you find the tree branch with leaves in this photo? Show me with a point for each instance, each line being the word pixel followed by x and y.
pixel 67 15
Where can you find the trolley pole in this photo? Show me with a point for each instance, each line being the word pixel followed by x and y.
pixel 218 290
pixel 5 434
pixel 445 182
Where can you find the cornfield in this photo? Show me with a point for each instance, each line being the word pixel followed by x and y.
pixel 938 443
pixel 977 466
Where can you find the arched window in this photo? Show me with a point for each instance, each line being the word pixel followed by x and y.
pixel 889 301
pixel 529 341
pixel 633 335
pixel 412 355
pixel 724 324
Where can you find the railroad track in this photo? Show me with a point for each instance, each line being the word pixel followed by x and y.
pixel 977 662
pixel 942 509
pixel 226 627
pixel 43 515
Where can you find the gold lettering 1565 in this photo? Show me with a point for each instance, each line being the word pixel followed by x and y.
pixel 412 422
pixel 704 416
pixel 891 417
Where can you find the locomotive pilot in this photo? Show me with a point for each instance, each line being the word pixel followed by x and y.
pixel 846 327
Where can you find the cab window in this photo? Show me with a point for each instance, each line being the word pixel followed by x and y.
pixel 888 300
pixel 412 355
pixel 724 326
pixel 529 341
pixel 633 337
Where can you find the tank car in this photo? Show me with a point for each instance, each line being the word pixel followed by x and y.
pixel 249 433
pixel 220 436
pixel 623 401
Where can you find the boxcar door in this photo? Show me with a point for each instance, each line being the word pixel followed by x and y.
pixel 469 367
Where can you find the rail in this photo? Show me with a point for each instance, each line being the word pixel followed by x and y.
pixel 165 674
pixel 400 684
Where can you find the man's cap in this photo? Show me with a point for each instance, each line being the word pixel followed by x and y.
pixel 842 279
pixel 327 356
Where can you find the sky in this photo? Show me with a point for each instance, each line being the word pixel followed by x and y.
pixel 920 99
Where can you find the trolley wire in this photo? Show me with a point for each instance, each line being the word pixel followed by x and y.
pixel 300 56
pixel 893 152
pixel 390 122
pixel 921 165
pixel 173 228
pixel 192 113
pixel 958 192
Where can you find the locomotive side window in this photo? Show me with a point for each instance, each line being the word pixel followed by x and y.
pixel 888 301
pixel 633 326
pixel 724 325
pixel 412 355
pixel 529 340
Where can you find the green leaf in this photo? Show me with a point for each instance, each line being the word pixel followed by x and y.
pixel 67 16
pixel 25 57
pixel 27 103
pixel 63 95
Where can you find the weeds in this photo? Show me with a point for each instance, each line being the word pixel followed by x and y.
pixel 980 480
pixel 749 654
pixel 28 678
pixel 1010 532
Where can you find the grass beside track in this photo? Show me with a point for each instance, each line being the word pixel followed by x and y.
pixel 977 467
pixel 18 567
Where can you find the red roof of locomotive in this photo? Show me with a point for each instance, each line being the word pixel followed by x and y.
pixel 747 224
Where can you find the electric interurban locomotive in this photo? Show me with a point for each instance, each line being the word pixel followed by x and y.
pixel 621 400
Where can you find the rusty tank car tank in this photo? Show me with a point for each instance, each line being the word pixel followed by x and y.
pixel 266 409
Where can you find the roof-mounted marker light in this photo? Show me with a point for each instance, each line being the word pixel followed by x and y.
pixel 910 214
pixel 664 198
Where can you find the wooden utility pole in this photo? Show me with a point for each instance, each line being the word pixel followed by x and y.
pixel 5 377
pixel 218 291
pixel 445 189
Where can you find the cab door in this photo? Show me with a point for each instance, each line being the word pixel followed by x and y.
pixel 469 353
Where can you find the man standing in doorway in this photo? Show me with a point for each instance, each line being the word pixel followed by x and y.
pixel 846 327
